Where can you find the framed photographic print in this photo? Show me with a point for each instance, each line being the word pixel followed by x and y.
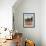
pixel 29 20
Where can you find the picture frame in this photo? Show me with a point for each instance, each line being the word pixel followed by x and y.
pixel 28 20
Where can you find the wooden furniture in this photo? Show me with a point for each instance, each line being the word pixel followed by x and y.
pixel 18 39
pixel 16 34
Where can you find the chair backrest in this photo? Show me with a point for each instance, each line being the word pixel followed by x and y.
pixel 18 37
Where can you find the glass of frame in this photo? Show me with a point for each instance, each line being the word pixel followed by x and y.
pixel 29 20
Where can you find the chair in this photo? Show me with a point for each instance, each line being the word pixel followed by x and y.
pixel 18 39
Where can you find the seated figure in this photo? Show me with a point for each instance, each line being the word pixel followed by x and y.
pixel 29 43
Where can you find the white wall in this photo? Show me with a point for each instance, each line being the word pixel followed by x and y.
pixel 43 22
pixel 6 13
pixel 29 6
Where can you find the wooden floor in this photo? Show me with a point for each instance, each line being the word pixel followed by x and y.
pixel 9 43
